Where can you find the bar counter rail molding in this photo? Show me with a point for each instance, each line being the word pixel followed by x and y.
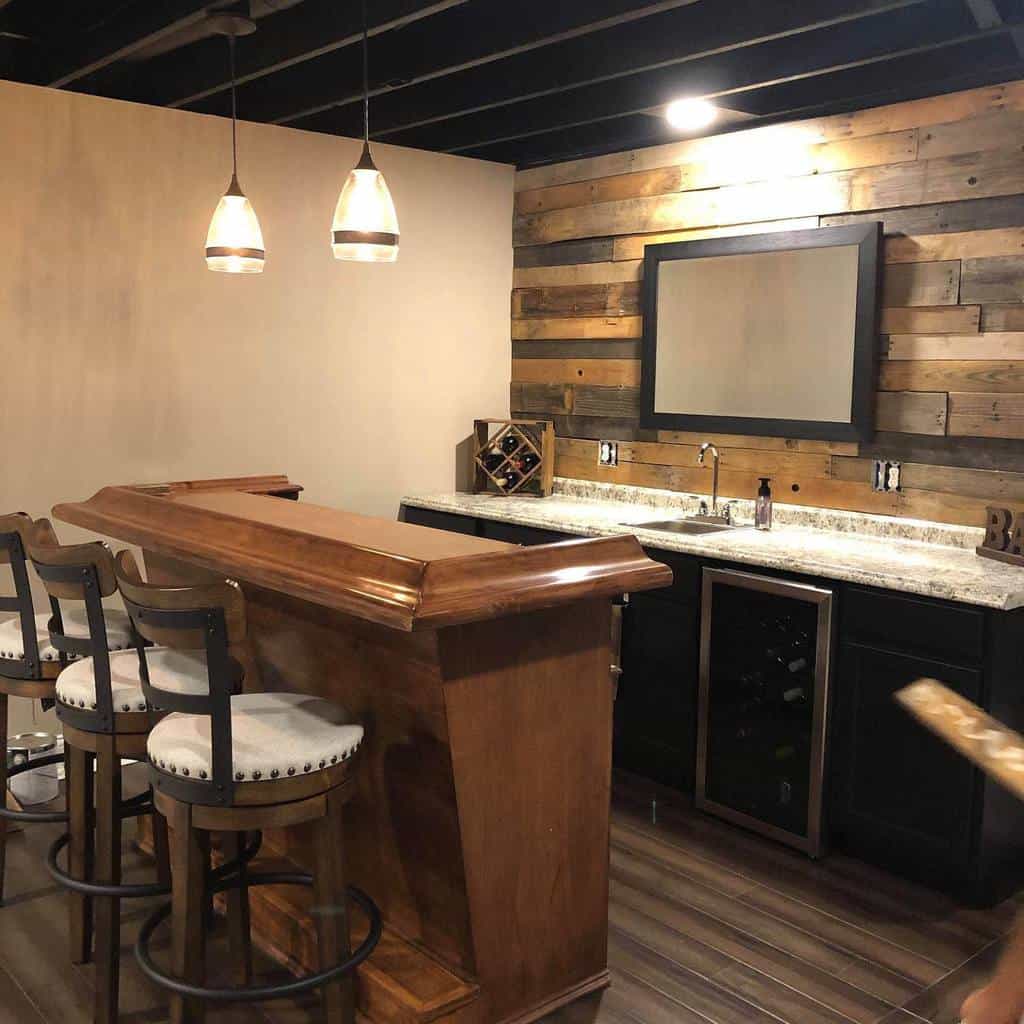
pixel 480 670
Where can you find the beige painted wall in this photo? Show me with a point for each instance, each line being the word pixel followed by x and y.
pixel 124 359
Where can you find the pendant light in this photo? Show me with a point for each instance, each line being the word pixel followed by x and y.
pixel 365 227
pixel 234 243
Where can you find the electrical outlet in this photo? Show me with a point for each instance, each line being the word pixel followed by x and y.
pixel 886 476
pixel 608 453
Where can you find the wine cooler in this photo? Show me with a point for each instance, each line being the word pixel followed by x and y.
pixel 762 704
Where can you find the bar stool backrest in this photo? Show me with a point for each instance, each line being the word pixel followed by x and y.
pixel 206 617
pixel 81 573
pixel 14 534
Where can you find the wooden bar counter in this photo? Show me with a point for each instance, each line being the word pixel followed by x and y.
pixel 480 671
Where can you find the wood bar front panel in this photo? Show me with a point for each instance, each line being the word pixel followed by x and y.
pixel 945 175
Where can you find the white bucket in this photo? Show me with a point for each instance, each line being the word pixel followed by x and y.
pixel 37 785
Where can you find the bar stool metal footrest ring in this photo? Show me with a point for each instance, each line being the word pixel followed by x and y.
pixel 260 993
pixel 222 876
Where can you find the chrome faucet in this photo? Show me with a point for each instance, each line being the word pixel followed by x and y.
pixel 714 477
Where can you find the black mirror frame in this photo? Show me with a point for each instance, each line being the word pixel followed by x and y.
pixel 868 238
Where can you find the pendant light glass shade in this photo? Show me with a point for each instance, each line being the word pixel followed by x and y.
pixel 234 243
pixel 365 227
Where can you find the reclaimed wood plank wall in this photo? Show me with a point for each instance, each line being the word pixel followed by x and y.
pixel 944 174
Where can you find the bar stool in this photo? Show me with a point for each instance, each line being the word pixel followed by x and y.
pixel 104 717
pixel 29 666
pixel 239 764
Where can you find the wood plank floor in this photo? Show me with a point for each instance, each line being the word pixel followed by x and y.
pixel 708 924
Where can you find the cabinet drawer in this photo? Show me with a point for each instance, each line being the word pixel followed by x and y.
pixel 450 521
pixel 947 631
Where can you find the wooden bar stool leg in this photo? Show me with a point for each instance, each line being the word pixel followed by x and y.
pixel 107 909
pixel 239 940
pixel 161 849
pixel 3 791
pixel 79 789
pixel 330 900
pixel 189 859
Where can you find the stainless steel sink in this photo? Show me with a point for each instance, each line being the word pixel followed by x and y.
pixel 691 526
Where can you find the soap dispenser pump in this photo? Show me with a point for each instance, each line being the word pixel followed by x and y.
pixel 763 506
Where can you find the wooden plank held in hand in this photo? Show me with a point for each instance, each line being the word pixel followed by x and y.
pixel 982 739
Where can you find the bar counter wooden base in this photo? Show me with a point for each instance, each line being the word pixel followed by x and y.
pixel 480 672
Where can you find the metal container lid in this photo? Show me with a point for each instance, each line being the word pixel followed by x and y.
pixel 30 744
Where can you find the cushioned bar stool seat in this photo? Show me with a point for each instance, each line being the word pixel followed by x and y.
pixel 179 671
pixel 273 736
pixel 76 626
pixel 236 763
pixel 98 735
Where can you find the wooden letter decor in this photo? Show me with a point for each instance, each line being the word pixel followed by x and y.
pixel 1004 536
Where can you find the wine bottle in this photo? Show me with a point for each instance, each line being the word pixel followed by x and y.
pixel 509 443
pixel 508 478
pixel 528 462
pixel 492 460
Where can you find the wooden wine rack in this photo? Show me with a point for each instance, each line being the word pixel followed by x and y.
pixel 535 437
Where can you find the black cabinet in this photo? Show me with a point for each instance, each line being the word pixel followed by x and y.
pixel 902 798
pixel 894 794
pixel 449 521
pixel 656 707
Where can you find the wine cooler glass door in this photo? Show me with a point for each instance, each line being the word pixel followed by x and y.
pixel 763 698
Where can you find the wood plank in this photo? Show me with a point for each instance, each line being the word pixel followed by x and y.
pixel 994 279
pixel 994 376
pixel 911 412
pixel 601 190
pixel 921 284
pixel 598 401
pixel 549 399
pixel 980 484
pixel 614 300
pixel 875 121
pixel 601 349
pixel 567 328
pixel 938 218
pixel 587 250
pixel 994 345
pixel 940 1003
pixel 612 428
pixel 978 414
pixel 775 463
pixel 971 452
pixel 578 274
pixel 1001 129
pixel 631 247
pixel 775 444
pixel 954 245
pixel 738 161
pixel 1002 317
pixel 604 372
pixel 973 175
pixel 732 484
pixel 743 161
pixel 931 320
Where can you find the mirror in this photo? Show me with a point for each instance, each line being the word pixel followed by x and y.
pixel 763 334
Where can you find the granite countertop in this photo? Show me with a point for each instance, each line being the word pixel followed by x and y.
pixel 917 557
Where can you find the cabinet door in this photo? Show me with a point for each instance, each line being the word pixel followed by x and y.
pixel 902 798
pixel 656 707
pixel 513 533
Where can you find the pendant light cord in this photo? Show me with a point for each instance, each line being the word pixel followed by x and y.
pixel 366 79
pixel 234 110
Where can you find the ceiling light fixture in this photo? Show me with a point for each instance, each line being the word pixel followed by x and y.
pixel 365 227
pixel 234 243
pixel 690 115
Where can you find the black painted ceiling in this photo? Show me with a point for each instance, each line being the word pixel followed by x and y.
pixel 523 81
